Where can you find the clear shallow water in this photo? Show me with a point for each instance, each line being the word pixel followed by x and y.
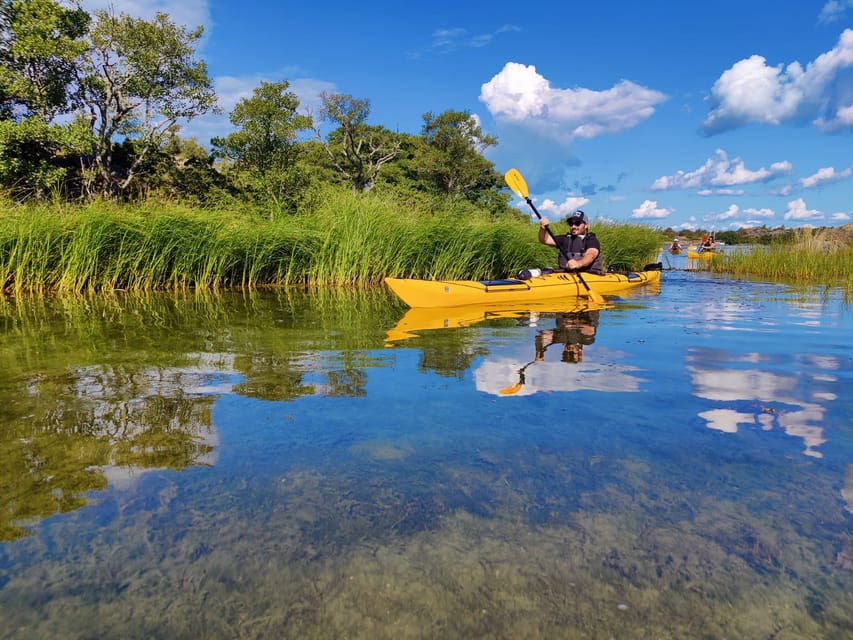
pixel 282 465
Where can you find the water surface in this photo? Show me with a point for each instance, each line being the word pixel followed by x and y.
pixel 281 464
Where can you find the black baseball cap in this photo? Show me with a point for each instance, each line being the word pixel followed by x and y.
pixel 577 216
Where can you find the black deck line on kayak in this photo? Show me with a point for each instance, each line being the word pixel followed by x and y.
pixel 498 283
pixel 628 275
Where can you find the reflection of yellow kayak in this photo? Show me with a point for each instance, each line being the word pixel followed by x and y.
pixel 703 255
pixel 424 318
pixel 560 284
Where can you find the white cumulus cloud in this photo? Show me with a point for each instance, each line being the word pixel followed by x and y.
pixel 570 204
pixel 650 209
pixel 753 92
pixel 520 96
pixel 720 171
pixel 759 213
pixel 729 213
pixel 797 210
pixel 825 175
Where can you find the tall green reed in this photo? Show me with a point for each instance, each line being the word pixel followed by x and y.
pixel 30 247
pixel 367 237
pixel 809 258
pixel 346 239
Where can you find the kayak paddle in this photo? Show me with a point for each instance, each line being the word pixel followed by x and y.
pixel 516 182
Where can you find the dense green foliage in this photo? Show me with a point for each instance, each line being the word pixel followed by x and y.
pixel 128 82
pixel 348 239
pixel 138 78
pixel 41 43
pixel 355 151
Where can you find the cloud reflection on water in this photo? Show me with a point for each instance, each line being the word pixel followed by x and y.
pixel 601 371
pixel 774 398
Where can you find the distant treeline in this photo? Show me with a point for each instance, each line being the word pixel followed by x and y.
pixel 755 235
pixel 90 106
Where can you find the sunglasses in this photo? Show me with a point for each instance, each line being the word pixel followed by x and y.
pixel 575 223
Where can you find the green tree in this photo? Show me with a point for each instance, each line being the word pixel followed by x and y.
pixel 184 170
pixel 137 79
pixel 39 42
pixel 452 161
pixel 39 159
pixel 264 150
pixel 356 150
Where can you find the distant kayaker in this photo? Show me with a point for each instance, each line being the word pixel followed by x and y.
pixel 675 247
pixel 581 246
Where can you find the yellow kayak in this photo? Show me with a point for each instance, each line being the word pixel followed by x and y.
pixel 702 255
pixel 559 284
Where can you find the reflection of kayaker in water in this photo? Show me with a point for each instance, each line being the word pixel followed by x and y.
pixel 574 330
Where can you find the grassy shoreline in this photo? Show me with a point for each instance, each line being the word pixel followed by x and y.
pixel 813 258
pixel 348 239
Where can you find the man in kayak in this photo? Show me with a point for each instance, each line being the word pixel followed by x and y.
pixel 579 245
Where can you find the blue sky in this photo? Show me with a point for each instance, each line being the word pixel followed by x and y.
pixel 714 115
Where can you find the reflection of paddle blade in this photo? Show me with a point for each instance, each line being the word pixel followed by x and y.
pixel 515 388
pixel 511 389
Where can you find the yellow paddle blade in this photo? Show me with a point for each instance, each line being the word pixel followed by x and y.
pixel 515 181
pixel 593 295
